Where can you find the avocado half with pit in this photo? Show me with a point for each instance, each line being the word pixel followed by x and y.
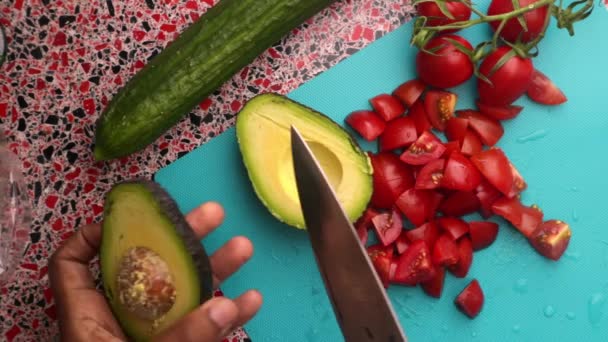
pixel 154 268
pixel 263 131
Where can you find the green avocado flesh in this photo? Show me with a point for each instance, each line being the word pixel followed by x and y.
pixel 263 132
pixel 140 214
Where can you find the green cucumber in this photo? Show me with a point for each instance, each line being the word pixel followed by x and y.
pixel 225 39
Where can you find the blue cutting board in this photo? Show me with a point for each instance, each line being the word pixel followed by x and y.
pixel 559 150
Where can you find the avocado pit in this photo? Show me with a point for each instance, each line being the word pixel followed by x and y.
pixel 145 284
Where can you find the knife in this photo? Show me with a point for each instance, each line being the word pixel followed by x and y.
pixel 360 304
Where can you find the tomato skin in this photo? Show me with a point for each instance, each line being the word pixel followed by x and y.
pixel 450 146
pixel 402 242
pixel 460 203
pixel 448 67
pixel 400 132
pixel 494 166
pixel 428 232
pixel 471 143
pixel 456 128
pixel 487 194
pixel 388 226
pixel 460 174
pixel 465 258
pixel 445 251
pixel 362 234
pixel 470 300
pixel 483 234
pixel 418 205
pixel 499 112
pixel 524 218
pixel 488 130
pixel 414 265
pixel 536 20
pixel 509 82
pixel 391 178
pixel 434 286
pixel 427 148
pixel 418 114
pixel 367 123
pixel 454 227
pixel 430 175
pixel 409 92
pixel 387 106
pixel 551 239
pixel 544 91
pixel 435 17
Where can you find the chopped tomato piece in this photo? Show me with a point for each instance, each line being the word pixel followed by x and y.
pixel 453 226
pixel 434 286
pixel 460 203
pixel 499 112
pixel 456 128
pixel 388 226
pixel 445 251
pixel 470 299
pixel 362 233
pixel 415 265
pixel 519 184
pixel 402 242
pixel 494 166
pixel 364 223
pixel 392 269
pixel 487 194
pixel 387 106
pixel 428 232
pixel 460 174
pixel 551 238
pixel 439 106
pixel 483 233
pixel 381 259
pixel 427 148
pixel 418 114
pixel 409 92
pixel 430 175
pixel 471 143
pixel 399 133
pixel 418 205
pixel 465 258
pixel 544 91
pixel 391 178
pixel 380 249
pixel 488 130
pixel 524 218
pixel 367 123
pixel 450 147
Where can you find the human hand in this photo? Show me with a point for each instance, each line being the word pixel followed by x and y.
pixel 84 314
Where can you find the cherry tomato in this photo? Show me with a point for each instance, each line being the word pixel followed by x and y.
pixel 400 132
pixel 418 114
pixel 524 218
pixel 418 206
pixel 460 174
pixel 445 251
pixel 430 175
pixel 381 259
pixel 465 258
pixel 453 226
pixel 367 123
pixel 391 178
pixel 544 91
pixel 447 66
pixel 487 194
pixel 488 130
pixel 427 148
pixel 439 106
pixel 388 226
pixel 494 166
pixel 499 112
pixel 536 20
pixel 409 92
pixel 519 184
pixel 456 128
pixel 414 265
pixel 483 234
pixel 402 242
pixel 551 238
pixel 434 286
pixel 509 82
pixel 470 299
pixel 387 106
pixel 429 232
pixel 435 17
pixel 460 203
pixel 471 143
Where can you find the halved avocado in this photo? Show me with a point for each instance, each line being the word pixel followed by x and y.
pixel 263 132
pixel 154 268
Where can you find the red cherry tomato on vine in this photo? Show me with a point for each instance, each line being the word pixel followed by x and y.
pixel 447 67
pixel 435 17
pixel 536 20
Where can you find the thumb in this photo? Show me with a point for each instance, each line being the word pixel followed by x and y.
pixel 210 322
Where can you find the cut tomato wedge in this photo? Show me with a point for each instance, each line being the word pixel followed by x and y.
pixel 524 218
pixel 391 178
pixel 499 112
pixel 418 114
pixel 453 226
pixel 544 91
pixel 494 166
pixel 363 234
pixel 488 130
pixel 400 132
pixel 460 203
pixel 465 258
pixel 428 232
pixel 409 92
pixel 483 234
pixel 439 106
pixel 487 194
pixel 471 143
pixel 364 223
pixel 434 286
pixel 430 175
pixel 551 239
pixel 415 265
pixel 387 106
pixel 470 299
pixel 460 174
pixel 381 258
pixel 445 251
pixel 402 242
pixel 367 123
pixel 418 205
pixel 388 226
pixel 427 148
pixel 519 184
pixel 450 147
pixel 456 128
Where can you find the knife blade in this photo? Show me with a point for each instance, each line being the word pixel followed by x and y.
pixel 359 301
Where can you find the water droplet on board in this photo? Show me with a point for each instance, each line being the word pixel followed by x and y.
pixel 575 216
pixel 444 328
pixel 534 136
pixel 549 311
pixel 573 255
pixel 595 307
pixel 521 285
pixel 473 334
pixel 570 315
pixel 573 189
pixel 516 328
